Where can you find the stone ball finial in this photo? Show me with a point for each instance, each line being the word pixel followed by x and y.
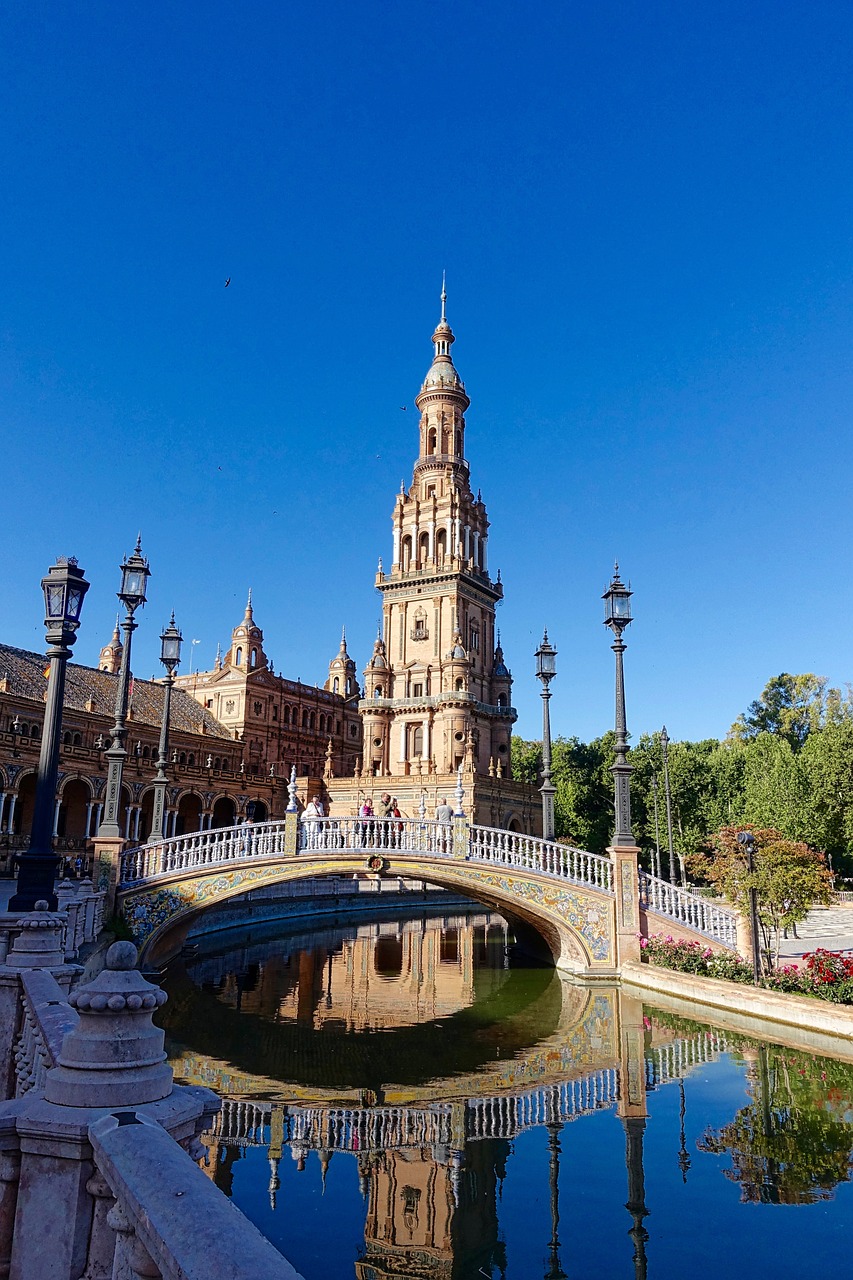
pixel 39 942
pixel 122 955
pixel 114 1056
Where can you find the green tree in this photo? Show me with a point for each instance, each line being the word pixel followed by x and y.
pixel 792 1143
pixel 526 758
pixel 775 786
pixel 788 876
pixel 827 761
pixel 792 707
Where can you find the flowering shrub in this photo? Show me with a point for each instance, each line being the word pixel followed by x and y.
pixel 693 957
pixel 826 974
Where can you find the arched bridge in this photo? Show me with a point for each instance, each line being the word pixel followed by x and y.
pixel 589 909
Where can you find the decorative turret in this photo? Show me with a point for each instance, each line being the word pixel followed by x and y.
pixel 110 656
pixel 376 672
pixel 442 399
pixel 342 672
pixel 247 643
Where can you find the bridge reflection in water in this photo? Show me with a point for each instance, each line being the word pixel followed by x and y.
pixel 413 1050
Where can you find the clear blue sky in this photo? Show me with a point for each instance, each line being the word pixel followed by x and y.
pixel 644 211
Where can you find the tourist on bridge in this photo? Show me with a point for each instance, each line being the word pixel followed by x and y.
pixel 364 826
pixel 444 817
pixel 311 815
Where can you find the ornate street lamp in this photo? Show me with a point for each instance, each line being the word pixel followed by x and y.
pixel 617 616
pixel 64 589
pixel 134 580
pixel 546 669
pixel 657 825
pixel 170 656
pixel 664 742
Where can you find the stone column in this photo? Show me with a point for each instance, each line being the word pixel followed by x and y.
pixel 107 869
pixel 626 885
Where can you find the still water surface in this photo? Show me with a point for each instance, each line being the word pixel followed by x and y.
pixel 410 1098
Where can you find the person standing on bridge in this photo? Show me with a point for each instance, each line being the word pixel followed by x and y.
pixel 311 815
pixel 444 817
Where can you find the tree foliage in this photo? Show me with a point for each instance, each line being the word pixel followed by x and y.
pixel 787 764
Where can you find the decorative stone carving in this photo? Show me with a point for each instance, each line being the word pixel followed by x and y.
pixel 115 1055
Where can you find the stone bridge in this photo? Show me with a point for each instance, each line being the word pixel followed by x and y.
pixel 588 909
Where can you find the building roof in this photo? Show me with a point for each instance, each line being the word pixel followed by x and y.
pixel 93 692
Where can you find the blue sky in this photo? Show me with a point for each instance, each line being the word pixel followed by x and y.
pixel 644 211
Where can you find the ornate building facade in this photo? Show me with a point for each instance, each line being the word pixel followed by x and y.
pixel 436 699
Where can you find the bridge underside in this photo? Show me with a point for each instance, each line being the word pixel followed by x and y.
pixel 576 923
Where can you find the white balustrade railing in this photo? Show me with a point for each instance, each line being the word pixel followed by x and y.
pixel 383 837
pixel 673 1061
pixel 705 917
pixel 529 853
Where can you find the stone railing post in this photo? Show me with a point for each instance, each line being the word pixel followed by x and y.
pixel 38 945
pixel 107 868
pixel 10 1172
pixel 626 886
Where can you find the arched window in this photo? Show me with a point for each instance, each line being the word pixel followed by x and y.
pixel 417 741
pixel 304 718
pixel 406 552
pixel 78 740
pixel 460 683
pixel 66 739
pixel 349 685
pixel 336 685
pixel 191 758
pixel 431 441
pixel 35 732
pixel 217 762
pixel 182 758
pixel 501 699
pixel 287 715
pixel 254 660
pixel 146 753
pixel 238 656
pixel 441 545
pixel 423 547
pixel 459 442
pixel 311 720
pixel 377 692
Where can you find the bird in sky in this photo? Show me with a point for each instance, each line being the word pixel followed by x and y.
pixel 227 282
pixel 404 407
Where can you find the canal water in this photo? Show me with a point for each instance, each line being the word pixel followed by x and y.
pixel 411 1097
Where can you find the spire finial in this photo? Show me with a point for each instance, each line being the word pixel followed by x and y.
pixel 343 637
pixel 444 297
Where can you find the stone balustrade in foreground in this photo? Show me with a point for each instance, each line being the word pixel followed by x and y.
pixel 98 1147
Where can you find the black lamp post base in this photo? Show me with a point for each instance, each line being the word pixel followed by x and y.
pixel 36 876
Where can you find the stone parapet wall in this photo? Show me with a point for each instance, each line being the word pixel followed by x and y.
pixel 798 1021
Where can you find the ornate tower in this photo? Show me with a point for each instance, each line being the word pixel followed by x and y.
pixel 442 697
pixel 109 658
pixel 247 643
pixel 342 672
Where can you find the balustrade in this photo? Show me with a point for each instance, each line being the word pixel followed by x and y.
pixel 697 913
pixel 46 1018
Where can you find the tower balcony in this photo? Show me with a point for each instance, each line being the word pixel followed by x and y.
pixel 450 697
pixel 437 461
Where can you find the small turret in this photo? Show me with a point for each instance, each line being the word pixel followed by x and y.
pixel 342 672
pixel 247 643
pixel 110 656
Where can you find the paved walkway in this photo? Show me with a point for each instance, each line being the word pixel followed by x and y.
pixel 827 927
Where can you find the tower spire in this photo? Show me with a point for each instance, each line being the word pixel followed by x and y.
pixel 444 297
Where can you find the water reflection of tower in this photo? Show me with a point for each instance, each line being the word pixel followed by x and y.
pixel 432 1210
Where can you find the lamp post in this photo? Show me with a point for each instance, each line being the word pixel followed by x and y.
pixel 747 842
pixel 664 742
pixel 617 616
pixel 64 589
pixel 657 825
pixel 170 656
pixel 546 669
pixel 134 579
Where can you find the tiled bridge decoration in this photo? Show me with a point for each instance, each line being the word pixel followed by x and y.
pixel 589 909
